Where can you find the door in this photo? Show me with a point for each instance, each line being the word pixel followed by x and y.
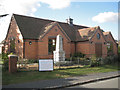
pixel 98 49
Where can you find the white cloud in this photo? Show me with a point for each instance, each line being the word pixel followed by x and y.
pixel 25 7
pixel 29 6
pixel 57 4
pixel 18 6
pixel 106 17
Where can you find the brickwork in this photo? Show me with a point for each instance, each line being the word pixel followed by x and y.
pixel 102 41
pixel 39 48
pixel 83 47
pixel 31 50
pixel 43 44
pixel 73 48
pixel 115 49
pixel 88 47
pixel 14 32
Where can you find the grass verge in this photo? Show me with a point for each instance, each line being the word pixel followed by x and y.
pixel 28 76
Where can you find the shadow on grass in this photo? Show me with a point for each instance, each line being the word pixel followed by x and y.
pixel 26 76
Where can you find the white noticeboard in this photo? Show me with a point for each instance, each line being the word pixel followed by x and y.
pixel 45 65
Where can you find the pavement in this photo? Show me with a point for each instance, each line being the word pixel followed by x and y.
pixel 65 82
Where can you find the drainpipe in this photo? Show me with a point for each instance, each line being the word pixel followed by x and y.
pixel 75 47
pixel 23 48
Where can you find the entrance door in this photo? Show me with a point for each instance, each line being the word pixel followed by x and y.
pixel 98 49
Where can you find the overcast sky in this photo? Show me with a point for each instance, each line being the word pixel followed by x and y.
pixel 89 13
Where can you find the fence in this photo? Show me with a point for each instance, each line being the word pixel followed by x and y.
pixel 25 64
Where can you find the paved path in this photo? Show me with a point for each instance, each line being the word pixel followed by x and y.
pixel 60 83
pixel 109 83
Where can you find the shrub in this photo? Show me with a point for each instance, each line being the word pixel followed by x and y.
pixel 79 54
pixel 67 59
pixel 85 61
pixel 63 63
pixel 110 59
pixel 5 65
pixel 4 56
pixel 32 61
pixel 5 61
pixel 95 61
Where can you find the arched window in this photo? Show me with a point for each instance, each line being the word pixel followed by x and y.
pixel 98 36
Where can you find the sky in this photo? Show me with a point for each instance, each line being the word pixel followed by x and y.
pixel 103 13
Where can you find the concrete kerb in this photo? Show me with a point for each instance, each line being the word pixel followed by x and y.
pixel 81 83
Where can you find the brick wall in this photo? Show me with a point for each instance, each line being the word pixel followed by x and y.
pixel 73 47
pixel 39 48
pixel 43 43
pixel 83 47
pixel 115 49
pixel 88 48
pixel 14 32
pixel 101 40
pixel 30 50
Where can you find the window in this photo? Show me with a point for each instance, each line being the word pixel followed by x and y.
pixel 30 42
pixel 110 47
pixel 98 36
pixel 51 45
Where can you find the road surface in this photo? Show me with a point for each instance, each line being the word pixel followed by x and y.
pixel 110 83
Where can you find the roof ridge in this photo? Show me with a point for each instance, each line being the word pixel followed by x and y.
pixel 49 20
pixel 86 28
pixel 33 28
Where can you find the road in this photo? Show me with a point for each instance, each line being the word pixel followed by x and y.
pixel 110 83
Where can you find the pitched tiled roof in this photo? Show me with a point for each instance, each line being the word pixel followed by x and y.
pixel 86 33
pixel 30 27
pixel 33 28
pixel 106 35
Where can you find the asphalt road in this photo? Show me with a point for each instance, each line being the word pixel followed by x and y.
pixel 110 83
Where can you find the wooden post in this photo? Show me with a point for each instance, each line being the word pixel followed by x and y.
pixel 13 63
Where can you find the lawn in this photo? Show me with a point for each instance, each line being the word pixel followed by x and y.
pixel 27 76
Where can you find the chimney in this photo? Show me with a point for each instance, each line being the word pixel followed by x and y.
pixel 70 21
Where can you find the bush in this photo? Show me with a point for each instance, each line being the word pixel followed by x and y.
pixel 4 56
pixel 5 61
pixel 32 61
pixel 84 61
pixel 5 65
pixel 79 54
pixel 110 59
pixel 63 63
pixel 95 61
pixel 68 59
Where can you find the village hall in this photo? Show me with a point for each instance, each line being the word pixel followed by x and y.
pixel 35 38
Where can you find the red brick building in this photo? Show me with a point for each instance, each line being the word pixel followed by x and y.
pixel 35 38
